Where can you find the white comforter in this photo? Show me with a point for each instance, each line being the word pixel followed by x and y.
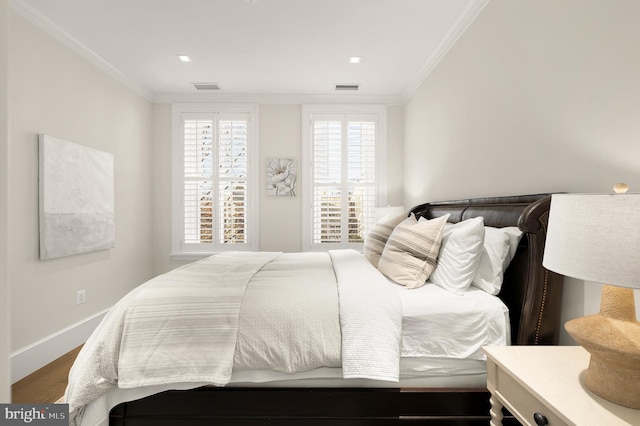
pixel 370 318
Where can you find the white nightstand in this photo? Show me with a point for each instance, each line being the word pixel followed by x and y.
pixel 548 382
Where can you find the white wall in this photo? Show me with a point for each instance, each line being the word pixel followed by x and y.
pixel 280 217
pixel 57 92
pixel 161 163
pixel 536 96
pixel 395 155
pixel 5 395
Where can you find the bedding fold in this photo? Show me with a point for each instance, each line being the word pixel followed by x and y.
pixel 370 319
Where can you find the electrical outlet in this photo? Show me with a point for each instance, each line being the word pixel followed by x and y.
pixel 80 297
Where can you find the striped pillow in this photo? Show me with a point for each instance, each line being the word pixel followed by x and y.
pixel 411 252
pixel 376 239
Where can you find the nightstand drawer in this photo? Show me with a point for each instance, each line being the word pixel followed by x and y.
pixel 521 403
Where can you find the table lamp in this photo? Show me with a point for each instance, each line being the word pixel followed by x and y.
pixel 596 237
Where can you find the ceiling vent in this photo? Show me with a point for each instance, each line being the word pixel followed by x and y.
pixel 347 86
pixel 207 86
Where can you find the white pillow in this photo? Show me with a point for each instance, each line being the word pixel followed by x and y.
pixel 515 235
pixel 376 239
pixel 460 255
pixel 500 245
pixel 411 251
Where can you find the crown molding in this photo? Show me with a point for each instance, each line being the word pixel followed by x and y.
pixel 467 15
pixel 274 99
pixel 47 25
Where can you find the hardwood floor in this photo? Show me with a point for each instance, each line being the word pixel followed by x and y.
pixel 46 385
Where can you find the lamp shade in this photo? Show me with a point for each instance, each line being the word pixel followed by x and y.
pixel 595 237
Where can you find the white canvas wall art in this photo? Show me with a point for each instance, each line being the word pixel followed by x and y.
pixel 76 198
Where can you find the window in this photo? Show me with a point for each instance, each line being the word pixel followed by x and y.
pixel 344 174
pixel 214 179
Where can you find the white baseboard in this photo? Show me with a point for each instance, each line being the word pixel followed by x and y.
pixel 35 356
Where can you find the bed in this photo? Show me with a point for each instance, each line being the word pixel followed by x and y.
pixel 451 392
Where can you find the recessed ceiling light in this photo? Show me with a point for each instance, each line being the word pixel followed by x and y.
pixel 355 59
pixel 184 58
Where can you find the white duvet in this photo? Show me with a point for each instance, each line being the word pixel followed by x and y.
pixel 368 335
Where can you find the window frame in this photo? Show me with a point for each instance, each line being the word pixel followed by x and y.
pixel 357 111
pixel 179 249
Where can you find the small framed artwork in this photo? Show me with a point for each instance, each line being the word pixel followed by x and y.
pixel 281 177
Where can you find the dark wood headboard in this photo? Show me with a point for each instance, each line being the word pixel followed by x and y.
pixel 532 293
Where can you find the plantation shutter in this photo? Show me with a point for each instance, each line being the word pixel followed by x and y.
pixel 215 180
pixel 344 178
pixel 198 180
pixel 327 173
pixel 361 165
pixel 232 195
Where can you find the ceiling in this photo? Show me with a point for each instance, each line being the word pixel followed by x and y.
pixel 259 48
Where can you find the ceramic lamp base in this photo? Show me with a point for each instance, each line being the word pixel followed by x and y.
pixel 612 337
pixel 614 382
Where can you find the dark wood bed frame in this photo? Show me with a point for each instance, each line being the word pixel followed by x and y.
pixel 532 293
